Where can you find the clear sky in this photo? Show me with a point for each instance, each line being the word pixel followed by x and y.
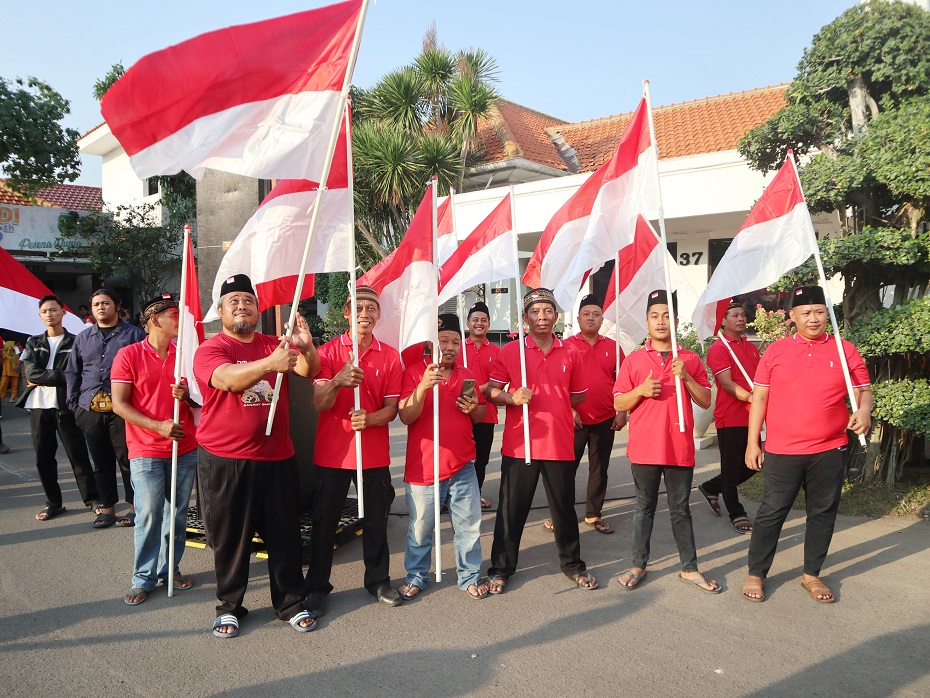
pixel 573 59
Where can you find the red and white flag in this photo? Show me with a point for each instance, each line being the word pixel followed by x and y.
pixel 776 237
pixel 406 283
pixel 249 99
pixel 600 218
pixel 445 232
pixel 20 292
pixel 486 255
pixel 191 317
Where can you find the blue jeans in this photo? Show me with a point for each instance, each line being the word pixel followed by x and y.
pixel 463 496
pixel 151 480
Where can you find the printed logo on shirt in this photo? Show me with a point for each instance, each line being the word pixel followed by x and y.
pixel 259 394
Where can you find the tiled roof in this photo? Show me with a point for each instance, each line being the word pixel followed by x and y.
pixel 514 131
pixel 87 133
pixel 11 198
pixel 71 196
pixel 704 125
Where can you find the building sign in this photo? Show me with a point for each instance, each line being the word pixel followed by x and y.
pixel 35 229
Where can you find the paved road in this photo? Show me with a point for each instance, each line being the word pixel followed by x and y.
pixel 64 628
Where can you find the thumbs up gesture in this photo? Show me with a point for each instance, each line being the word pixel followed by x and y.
pixel 651 387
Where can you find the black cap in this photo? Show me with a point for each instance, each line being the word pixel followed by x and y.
pixel 808 295
pixel 237 283
pixel 157 304
pixel 590 300
pixel 449 322
pixel 478 307
pixel 660 297
pixel 539 295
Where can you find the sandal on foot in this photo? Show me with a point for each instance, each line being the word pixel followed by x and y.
pixel 485 503
pixel 127 520
pixel 226 621
pixel 585 581
pixel 135 596
pixel 754 585
pixel 296 621
pixel 181 583
pixel 629 580
pixel 713 501
pixel 481 591
pixel 50 511
pixel 104 521
pixel 497 585
pixel 549 526
pixel 409 591
pixel 600 525
pixel 696 583
pixel 817 588
pixel 741 524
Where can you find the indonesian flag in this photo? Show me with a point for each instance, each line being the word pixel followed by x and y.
pixel 250 99
pixel 600 218
pixel 486 255
pixel 406 283
pixel 190 317
pixel 20 292
pixel 445 232
pixel 777 236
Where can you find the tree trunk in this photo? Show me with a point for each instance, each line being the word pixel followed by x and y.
pixel 861 104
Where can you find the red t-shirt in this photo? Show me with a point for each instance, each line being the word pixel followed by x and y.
pixel 232 425
pixel 806 410
pixel 600 366
pixel 655 437
pixel 456 444
pixel 730 412
pixel 140 366
pixel 480 360
pixel 553 378
pixel 335 439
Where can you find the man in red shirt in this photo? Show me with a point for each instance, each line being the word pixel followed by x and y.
pixel 481 354
pixel 658 447
pixel 727 354
pixel 555 384
pixel 800 394
pixel 248 482
pixel 459 409
pixel 378 374
pixel 144 392
pixel 595 418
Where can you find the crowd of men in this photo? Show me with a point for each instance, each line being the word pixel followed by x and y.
pixel 111 397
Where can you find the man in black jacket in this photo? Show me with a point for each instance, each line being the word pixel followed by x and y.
pixel 43 366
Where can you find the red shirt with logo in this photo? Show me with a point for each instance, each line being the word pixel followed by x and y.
pixel 806 410
pixel 729 411
pixel 480 360
pixel 655 435
pixel 600 366
pixel 553 377
pixel 151 377
pixel 335 439
pixel 232 425
pixel 456 444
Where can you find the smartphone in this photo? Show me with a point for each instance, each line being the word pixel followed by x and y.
pixel 468 388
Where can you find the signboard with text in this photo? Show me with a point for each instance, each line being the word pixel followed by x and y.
pixel 35 229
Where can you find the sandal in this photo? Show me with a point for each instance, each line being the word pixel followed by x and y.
pixel 296 621
pixel 713 501
pixel 497 585
pixel 485 503
pixel 226 621
pixel 409 591
pixel 135 596
pixel 181 583
pixel 481 591
pixel 696 583
pixel 754 585
pixel 600 525
pixel 629 580
pixel 817 588
pixel 50 512
pixel 127 520
pixel 104 521
pixel 549 526
pixel 741 524
pixel 585 581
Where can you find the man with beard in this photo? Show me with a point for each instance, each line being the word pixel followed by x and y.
pixel 248 482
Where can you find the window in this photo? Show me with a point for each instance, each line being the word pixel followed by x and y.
pixel 150 186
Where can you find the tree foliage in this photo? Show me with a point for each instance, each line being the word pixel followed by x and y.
pixel 106 82
pixel 36 151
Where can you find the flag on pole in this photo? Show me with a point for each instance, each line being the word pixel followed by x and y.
pixel 193 326
pixel 777 236
pixel 486 255
pixel 246 99
pixel 20 292
pixel 445 231
pixel 406 282
pixel 600 218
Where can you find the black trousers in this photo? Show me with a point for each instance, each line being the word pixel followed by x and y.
pixel 330 487
pixel 518 485
pixel 484 436
pixel 733 471
pixel 44 425
pixel 821 475
pixel 237 499
pixel 599 440
pixel 106 440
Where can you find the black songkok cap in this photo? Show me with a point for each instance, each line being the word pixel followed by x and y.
pixel 808 295
pixel 590 300
pixel 660 297
pixel 479 307
pixel 449 322
pixel 161 302
pixel 539 295
pixel 238 283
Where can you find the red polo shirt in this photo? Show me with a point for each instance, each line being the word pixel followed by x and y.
pixel 730 412
pixel 456 444
pixel 806 411
pixel 600 366
pixel 655 437
pixel 140 366
pixel 232 425
pixel 480 360
pixel 335 439
pixel 553 378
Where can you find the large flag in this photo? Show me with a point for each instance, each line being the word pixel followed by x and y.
pixel 777 236
pixel 445 233
pixel 244 99
pixel 193 326
pixel 406 282
pixel 486 255
pixel 600 218
pixel 20 292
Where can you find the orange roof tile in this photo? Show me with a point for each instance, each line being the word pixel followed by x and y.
pixel 515 131
pixel 71 196
pixel 11 198
pixel 87 133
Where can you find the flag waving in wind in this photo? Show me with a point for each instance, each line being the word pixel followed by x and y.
pixel 445 233
pixel 244 99
pixel 20 292
pixel 193 326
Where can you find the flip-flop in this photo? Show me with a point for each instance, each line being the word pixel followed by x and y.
pixel 409 591
pixel 549 526
pixel 585 581
pixel 696 583
pixel 181 583
pixel 713 501
pixel 135 596
pixel 600 526
pixel 482 591
pixel 497 585
pixel 127 520
pixel 104 521
pixel 51 512
pixel 485 503
pixel 227 619
pixel 633 577
pixel 741 524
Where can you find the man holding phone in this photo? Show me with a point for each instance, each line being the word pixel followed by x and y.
pixel 460 407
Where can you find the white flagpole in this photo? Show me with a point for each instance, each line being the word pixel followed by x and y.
pixel 437 505
pixel 836 328
pixel 327 165
pixel 516 281
pixel 664 243
pixel 460 304
pixel 178 364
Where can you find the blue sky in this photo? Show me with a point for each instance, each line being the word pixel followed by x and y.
pixel 574 59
